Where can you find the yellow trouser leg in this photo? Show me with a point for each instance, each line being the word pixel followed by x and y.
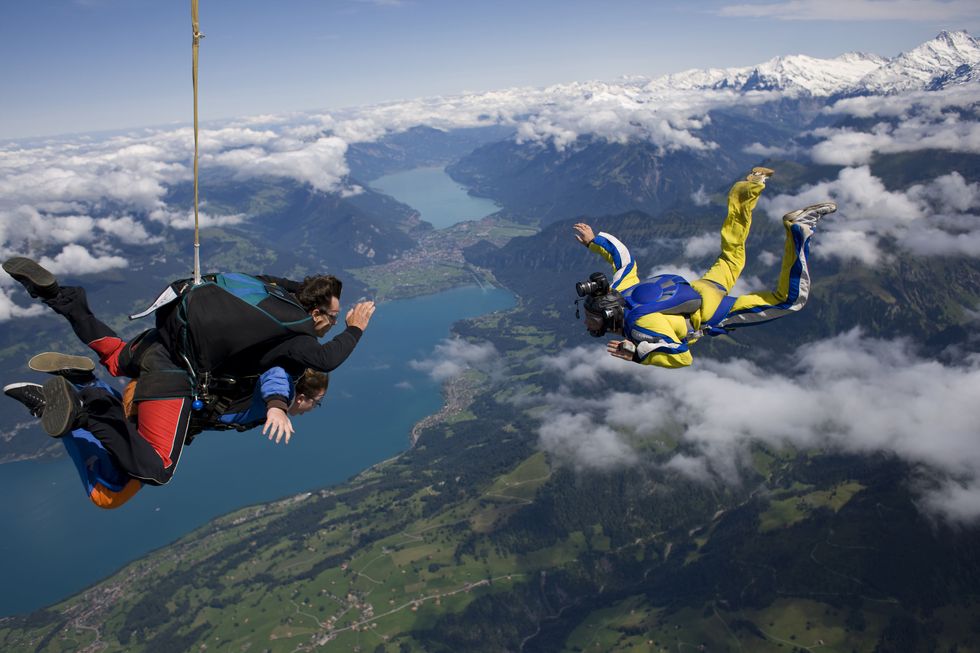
pixel 791 292
pixel 742 199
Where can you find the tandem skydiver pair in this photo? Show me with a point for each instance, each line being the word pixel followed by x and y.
pixel 103 477
pixel 210 338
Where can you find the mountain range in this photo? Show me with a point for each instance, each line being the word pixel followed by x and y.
pixel 785 99
pixel 854 73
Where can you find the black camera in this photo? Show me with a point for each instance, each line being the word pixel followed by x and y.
pixel 596 286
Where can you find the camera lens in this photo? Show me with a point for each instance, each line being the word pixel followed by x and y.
pixel 584 288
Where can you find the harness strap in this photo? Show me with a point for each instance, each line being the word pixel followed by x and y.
pixel 711 326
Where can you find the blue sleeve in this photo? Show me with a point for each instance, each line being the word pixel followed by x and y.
pixel 274 382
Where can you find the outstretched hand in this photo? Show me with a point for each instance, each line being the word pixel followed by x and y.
pixel 616 348
pixel 584 233
pixel 360 315
pixel 277 425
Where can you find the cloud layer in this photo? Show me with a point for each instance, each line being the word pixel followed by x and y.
pixel 942 120
pixel 75 204
pixel 106 194
pixel 454 356
pixel 938 218
pixel 849 393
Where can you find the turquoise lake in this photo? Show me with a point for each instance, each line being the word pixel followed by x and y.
pixel 56 543
pixel 441 201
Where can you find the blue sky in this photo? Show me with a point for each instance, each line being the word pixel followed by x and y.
pixel 86 65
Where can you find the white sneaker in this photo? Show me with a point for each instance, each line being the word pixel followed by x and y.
pixel 809 216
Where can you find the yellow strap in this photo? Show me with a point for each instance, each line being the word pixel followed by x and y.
pixel 197 36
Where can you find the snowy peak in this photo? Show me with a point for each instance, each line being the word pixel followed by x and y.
pixel 920 67
pixel 801 73
pixel 699 79
pixel 811 75
pixel 952 58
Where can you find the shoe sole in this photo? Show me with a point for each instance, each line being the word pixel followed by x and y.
pixel 54 363
pixel 60 407
pixel 24 268
pixel 824 208
pixel 759 174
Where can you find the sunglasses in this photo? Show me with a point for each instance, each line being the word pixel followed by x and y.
pixel 331 317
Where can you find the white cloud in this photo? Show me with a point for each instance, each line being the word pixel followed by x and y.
pixel 842 146
pixel 956 501
pixel 127 230
pixel 10 310
pixel 768 258
pixel 935 218
pixel 849 244
pixel 744 285
pixel 75 259
pixel 768 151
pixel 111 192
pixel 454 356
pixel 576 439
pixel 849 393
pixel 703 245
pixel 935 105
pixel 688 273
pixel 557 115
pixel 624 112
pixel 700 197
pixel 185 219
pixel 911 122
pixel 856 10
pixel 22 227
pixel 320 163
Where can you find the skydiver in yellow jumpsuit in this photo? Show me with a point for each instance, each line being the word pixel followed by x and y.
pixel 662 316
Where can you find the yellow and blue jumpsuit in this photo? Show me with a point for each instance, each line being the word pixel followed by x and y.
pixel 663 339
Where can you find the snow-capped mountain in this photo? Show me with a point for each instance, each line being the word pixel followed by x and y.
pixel 800 73
pixel 918 68
pixel 950 58
pixel 811 75
pixel 965 74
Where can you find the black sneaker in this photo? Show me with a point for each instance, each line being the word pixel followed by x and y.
pixel 29 394
pixel 62 407
pixel 38 281
pixel 77 369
